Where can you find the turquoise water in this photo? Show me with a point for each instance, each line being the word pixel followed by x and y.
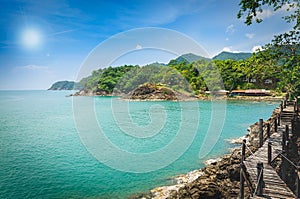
pixel 42 156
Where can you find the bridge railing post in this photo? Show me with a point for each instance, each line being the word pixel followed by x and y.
pixel 261 132
pixel 295 105
pixel 287 133
pixel 283 169
pixel 243 150
pixel 260 179
pixel 283 144
pixel 269 152
pixel 268 130
pixel 275 124
pixel 293 126
pixel 242 180
pixel 298 181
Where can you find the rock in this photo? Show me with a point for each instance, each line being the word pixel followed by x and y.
pixel 234 172
pixel 152 92
pixel 212 161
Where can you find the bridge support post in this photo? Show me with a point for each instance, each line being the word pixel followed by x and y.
pixel 260 179
pixel 261 132
pixel 278 119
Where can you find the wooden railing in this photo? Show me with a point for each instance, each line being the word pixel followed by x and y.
pixel 265 130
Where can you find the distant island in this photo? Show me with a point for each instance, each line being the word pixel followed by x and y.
pixel 66 85
pixel 187 76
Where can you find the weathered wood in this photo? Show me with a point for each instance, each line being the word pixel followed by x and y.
pixel 283 169
pixel 261 132
pixel 269 152
pixel 275 187
pixel 268 130
pixel 260 180
pixel 243 150
pixel 286 133
pixel 242 182
pixel 275 125
pixel 283 143
pixel 242 179
pixel 298 182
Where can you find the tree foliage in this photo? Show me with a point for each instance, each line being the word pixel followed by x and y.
pixel 282 54
pixel 260 71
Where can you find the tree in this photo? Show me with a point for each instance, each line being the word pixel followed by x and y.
pixel 284 48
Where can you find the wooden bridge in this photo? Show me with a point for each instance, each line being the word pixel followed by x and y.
pixel 274 142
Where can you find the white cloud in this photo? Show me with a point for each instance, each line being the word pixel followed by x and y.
pixel 33 67
pixel 227 39
pixel 230 29
pixel 249 35
pixel 266 13
pixel 256 48
pixel 288 8
pixel 138 47
pixel 229 49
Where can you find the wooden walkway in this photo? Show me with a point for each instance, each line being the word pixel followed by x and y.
pixel 274 186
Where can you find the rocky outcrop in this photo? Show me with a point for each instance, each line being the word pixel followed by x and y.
pixel 152 92
pixel 219 179
pixel 90 93
pixel 156 92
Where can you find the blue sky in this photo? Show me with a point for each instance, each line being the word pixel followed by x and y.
pixel 45 41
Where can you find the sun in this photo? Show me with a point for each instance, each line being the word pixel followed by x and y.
pixel 31 38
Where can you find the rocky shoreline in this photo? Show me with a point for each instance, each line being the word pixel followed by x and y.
pixel 219 179
pixel 162 96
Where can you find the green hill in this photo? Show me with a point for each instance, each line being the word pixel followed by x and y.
pixel 66 85
pixel 233 56
pixel 189 58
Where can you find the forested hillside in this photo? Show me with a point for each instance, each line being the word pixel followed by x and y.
pixel 260 71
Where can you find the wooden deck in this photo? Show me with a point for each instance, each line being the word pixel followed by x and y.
pixel 274 186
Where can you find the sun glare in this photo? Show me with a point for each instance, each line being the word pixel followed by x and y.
pixel 31 38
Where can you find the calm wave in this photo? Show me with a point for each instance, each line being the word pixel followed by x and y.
pixel 42 156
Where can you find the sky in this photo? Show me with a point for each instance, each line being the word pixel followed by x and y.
pixel 46 41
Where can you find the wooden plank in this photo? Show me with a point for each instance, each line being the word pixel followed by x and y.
pixel 274 186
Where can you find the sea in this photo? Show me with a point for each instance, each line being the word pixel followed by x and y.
pixel 54 146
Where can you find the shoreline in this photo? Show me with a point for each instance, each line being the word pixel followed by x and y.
pixel 219 178
pixel 188 98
